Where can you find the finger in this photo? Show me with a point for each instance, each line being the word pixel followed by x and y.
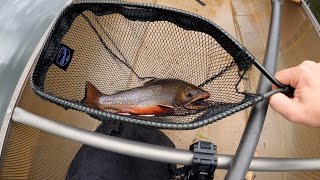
pixel 284 106
pixel 289 76
pixel 296 1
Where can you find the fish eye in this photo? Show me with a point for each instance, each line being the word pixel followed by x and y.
pixel 191 94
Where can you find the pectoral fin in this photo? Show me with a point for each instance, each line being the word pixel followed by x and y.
pixel 123 113
pixel 168 106
pixel 147 115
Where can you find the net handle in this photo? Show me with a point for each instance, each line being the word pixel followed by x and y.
pixel 285 89
pixel 275 91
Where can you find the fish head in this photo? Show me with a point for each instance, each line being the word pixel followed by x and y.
pixel 193 93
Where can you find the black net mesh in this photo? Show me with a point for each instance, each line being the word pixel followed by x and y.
pixel 120 46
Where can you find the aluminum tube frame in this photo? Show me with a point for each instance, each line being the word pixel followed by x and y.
pixel 102 141
pixel 267 164
pixel 153 152
pixel 252 132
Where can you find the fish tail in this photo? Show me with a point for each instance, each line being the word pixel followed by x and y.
pixel 92 95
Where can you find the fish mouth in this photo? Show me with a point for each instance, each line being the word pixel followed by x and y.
pixel 202 96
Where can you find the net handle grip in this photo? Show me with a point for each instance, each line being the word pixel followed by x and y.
pixel 287 89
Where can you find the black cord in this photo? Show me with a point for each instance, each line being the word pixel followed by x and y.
pixel 114 55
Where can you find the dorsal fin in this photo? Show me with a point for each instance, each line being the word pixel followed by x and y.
pixel 150 81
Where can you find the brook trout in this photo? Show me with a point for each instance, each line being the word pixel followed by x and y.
pixel 154 97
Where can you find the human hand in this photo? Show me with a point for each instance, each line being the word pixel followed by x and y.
pixel 304 106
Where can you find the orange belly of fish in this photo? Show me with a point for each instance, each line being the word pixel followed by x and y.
pixel 144 110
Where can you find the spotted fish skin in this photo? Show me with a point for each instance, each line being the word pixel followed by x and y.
pixel 155 97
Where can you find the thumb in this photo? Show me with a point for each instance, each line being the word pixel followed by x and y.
pixel 284 106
